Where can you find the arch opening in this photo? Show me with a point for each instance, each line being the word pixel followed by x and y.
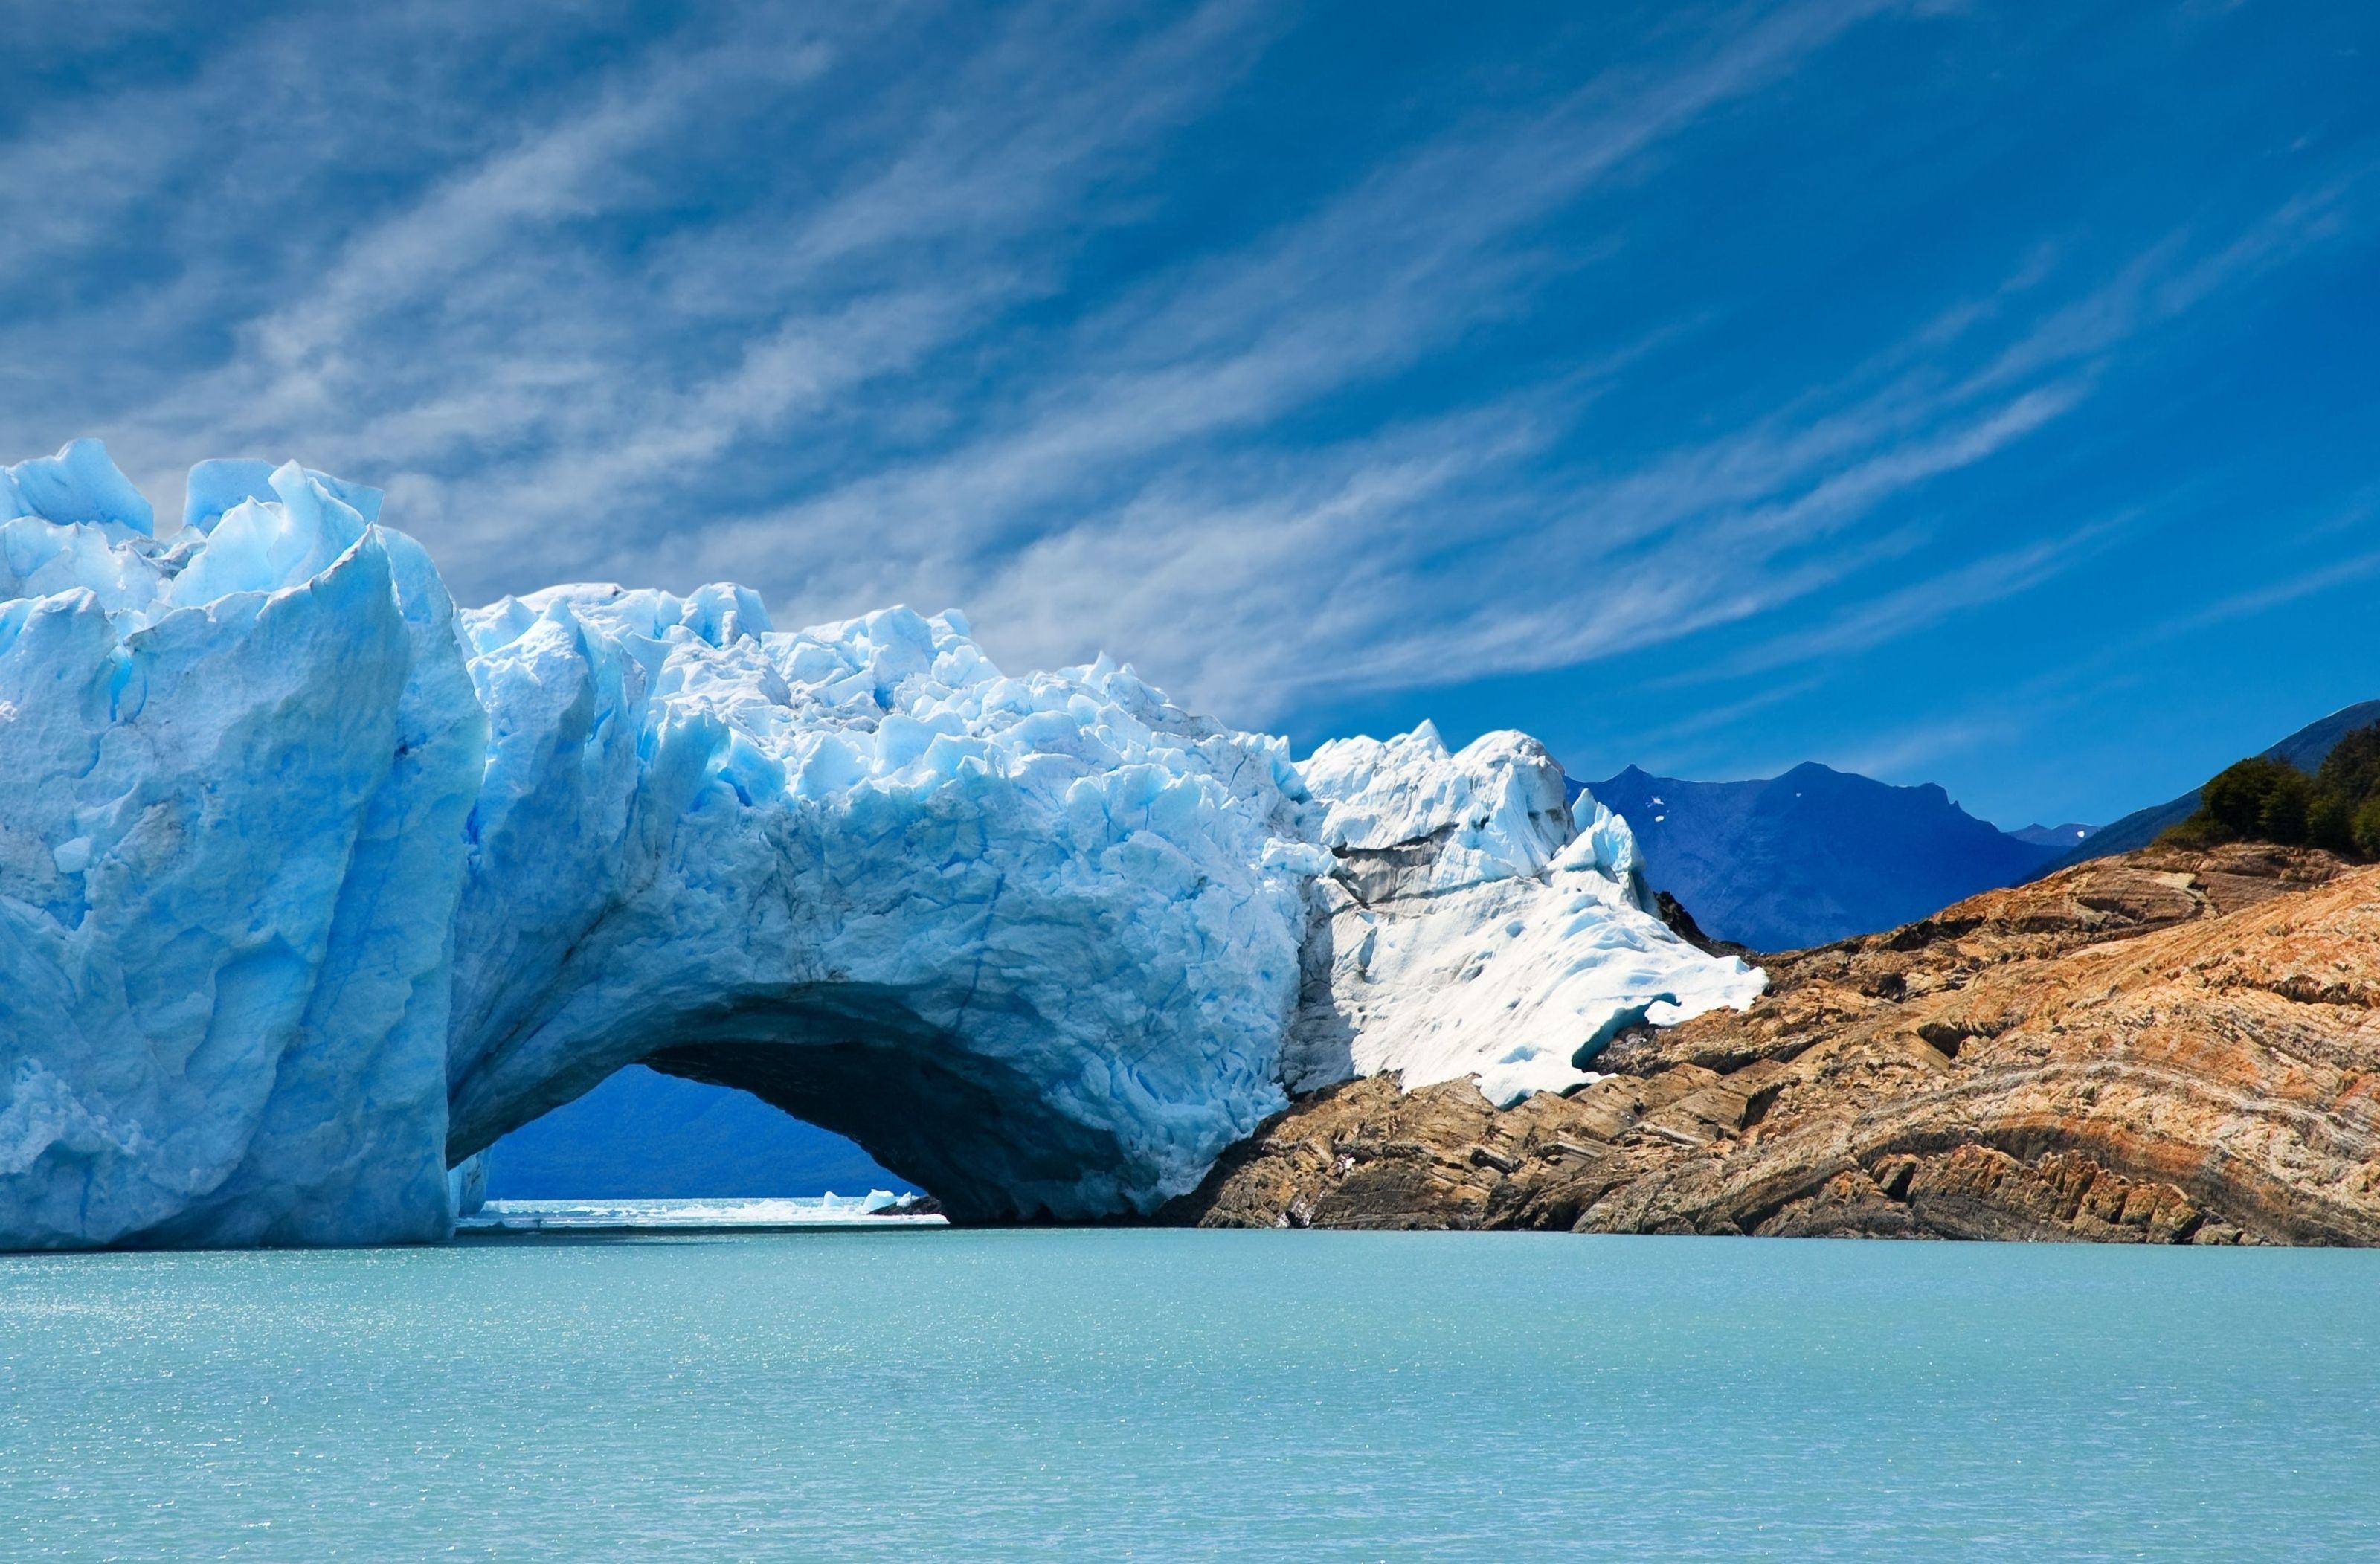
pixel 971 1133
pixel 937 1114
pixel 643 1136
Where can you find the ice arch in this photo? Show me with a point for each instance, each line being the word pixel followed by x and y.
pixel 1031 941
pixel 312 887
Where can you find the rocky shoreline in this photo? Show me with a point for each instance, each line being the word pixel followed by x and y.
pixel 2169 1047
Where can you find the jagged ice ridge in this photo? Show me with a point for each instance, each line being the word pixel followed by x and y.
pixel 311 886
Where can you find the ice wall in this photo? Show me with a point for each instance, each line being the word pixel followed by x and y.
pixel 1031 941
pixel 230 851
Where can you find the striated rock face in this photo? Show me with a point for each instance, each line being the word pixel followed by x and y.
pixel 2163 1047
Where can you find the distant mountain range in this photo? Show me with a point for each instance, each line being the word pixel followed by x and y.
pixel 1817 855
pixel 2304 749
pixel 643 1134
pixel 2066 836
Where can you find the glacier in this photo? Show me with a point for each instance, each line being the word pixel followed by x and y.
pixel 1474 927
pixel 314 885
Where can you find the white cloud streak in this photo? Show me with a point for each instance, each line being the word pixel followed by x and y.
pixel 574 343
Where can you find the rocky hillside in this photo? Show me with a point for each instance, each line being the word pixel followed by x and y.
pixel 2305 749
pixel 2162 1048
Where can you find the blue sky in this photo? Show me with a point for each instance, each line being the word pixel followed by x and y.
pixel 1959 393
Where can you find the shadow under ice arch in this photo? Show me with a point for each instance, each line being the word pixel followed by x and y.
pixel 971 1128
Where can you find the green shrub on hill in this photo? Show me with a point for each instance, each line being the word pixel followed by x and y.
pixel 2265 800
pixel 2366 832
pixel 2353 765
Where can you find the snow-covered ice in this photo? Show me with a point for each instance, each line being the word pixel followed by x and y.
pixel 1473 928
pixel 310 886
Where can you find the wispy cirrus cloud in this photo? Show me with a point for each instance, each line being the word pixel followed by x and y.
pixel 1078 320
pixel 2281 594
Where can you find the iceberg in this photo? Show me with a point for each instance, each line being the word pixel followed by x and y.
pixel 311 886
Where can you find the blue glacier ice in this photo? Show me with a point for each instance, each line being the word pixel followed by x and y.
pixel 312 887
pixel 230 855
pixel 79 484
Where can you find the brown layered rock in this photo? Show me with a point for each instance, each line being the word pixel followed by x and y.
pixel 2163 1047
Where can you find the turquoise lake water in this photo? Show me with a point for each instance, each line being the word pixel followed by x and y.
pixel 1162 1394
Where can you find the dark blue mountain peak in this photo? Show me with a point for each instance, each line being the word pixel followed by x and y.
pixel 1813 855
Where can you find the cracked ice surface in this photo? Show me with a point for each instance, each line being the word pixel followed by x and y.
pixel 310 887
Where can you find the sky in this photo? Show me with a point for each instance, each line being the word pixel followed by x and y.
pixel 1958 392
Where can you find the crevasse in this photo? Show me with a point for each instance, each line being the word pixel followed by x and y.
pixel 312 887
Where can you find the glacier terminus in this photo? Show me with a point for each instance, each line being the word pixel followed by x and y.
pixel 314 885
